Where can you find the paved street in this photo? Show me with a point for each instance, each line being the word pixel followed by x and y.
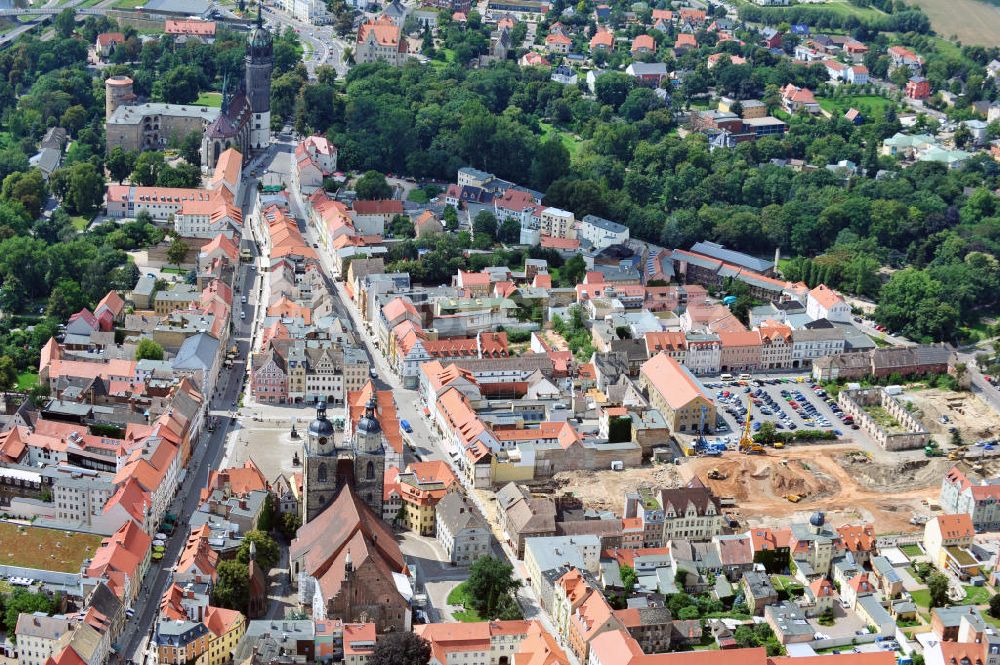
pixel 322 45
pixel 205 456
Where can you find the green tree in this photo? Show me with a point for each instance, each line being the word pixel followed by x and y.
pixel 937 585
pixel 28 189
pixel 74 118
pixel 191 148
pixel 288 524
pixel 629 579
pixel 268 552
pixel 450 218
pixel 509 232
pixel 65 22
pixel 81 187
pixel 181 84
pixel 573 271
pixel 232 586
pixel 120 163
pixel 372 186
pixel 767 434
pixel 147 168
pixel 688 613
pixel 8 373
pixel 491 585
pixel 177 252
pixel 995 606
pixel 27 602
pixel 148 349
pixel 551 162
pixel 401 227
pixel 67 298
pixel 401 648
pixel 485 224
pixel 612 88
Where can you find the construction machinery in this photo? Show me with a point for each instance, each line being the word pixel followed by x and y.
pixel 715 474
pixel 794 498
pixel 747 444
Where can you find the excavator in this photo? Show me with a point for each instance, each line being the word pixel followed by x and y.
pixel 747 445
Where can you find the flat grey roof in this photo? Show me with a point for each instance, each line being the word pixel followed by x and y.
pixel 133 115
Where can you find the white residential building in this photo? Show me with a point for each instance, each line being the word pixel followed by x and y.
pixel 557 223
pixel 602 233
pixel 39 636
pixel 825 303
pixel 462 532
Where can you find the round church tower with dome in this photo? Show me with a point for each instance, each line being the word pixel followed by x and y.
pixel 369 457
pixel 258 67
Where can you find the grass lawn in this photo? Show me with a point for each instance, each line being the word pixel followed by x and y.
pixel 459 596
pixel 174 271
pixel 26 381
pixel 572 143
pixel 869 105
pixel 449 57
pixel 911 550
pixel 418 196
pixel 128 4
pixel 213 99
pixel 785 583
pixel 80 222
pixel 45 549
pixel 993 621
pixel 976 595
pixel 922 597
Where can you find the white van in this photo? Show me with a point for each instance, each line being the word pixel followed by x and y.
pixel 745 377
pixel 726 377
pixel 243 315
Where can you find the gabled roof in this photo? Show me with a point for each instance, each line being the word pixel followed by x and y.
pixel 348 524
pixel 673 381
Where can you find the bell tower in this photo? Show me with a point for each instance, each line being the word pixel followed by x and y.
pixel 369 457
pixel 319 470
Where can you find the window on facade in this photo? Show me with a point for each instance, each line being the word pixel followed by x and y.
pixel 321 473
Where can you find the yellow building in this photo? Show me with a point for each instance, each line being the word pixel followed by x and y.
pixel 226 628
pixel 421 487
pixel 947 532
pixel 677 394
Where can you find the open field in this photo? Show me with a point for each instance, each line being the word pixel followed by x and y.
pixel 45 549
pixel 26 381
pixel 871 106
pixel 212 99
pixel 971 21
pixel 572 143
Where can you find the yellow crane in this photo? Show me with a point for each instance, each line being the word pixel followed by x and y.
pixel 747 444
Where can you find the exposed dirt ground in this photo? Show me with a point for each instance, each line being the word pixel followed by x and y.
pixel 974 419
pixel 837 479
pixel 831 478
pixel 605 490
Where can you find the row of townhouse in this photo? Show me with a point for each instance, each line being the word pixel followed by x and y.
pixel 196 213
pixel 290 370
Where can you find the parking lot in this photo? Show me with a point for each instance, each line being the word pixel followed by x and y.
pixel 791 403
